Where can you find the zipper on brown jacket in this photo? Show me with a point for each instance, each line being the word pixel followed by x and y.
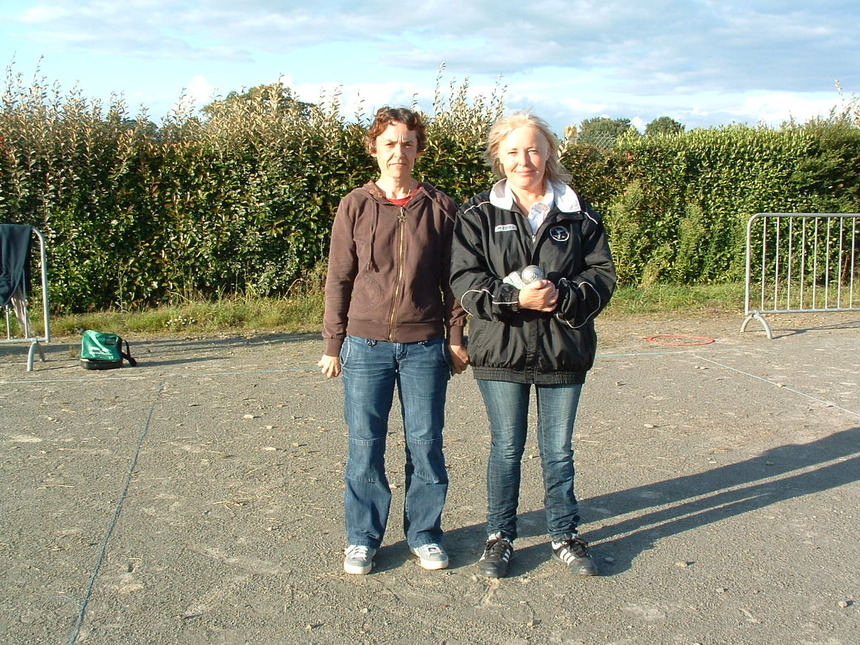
pixel 401 223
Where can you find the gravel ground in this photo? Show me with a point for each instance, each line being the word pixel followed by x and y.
pixel 197 498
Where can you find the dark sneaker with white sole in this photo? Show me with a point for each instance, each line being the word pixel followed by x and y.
pixel 497 555
pixel 574 553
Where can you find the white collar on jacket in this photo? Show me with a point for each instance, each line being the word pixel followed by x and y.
pixel 566 199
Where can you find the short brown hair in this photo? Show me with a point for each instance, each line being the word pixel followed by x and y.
pixel 385 116
pixel 554 172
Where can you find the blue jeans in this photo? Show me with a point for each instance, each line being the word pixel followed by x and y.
pixel 420 371
pixel 507 408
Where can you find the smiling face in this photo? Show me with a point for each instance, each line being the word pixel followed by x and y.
pixel 522 155
pixel 396 151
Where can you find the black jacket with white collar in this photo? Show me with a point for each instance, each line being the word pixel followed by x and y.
pixel 492 238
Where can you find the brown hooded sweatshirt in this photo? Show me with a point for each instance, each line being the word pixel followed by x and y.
pixel 389 268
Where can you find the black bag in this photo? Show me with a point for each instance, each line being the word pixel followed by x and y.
pixel 103 351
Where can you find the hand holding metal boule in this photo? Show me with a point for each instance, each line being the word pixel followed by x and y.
pixel 532 273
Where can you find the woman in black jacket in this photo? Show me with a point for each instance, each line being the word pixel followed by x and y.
pixel 531 330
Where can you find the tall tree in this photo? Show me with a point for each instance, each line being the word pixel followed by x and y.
pixel 274 97
pixel 602 131
pixel 663 125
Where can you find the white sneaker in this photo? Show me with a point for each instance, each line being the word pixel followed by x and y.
pixel 431 556
pixel 359 559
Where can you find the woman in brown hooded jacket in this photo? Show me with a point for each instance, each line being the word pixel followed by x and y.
pixel 391 321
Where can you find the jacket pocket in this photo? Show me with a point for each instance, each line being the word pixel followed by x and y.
pixel 367 295
pixel 425 297
pixel 496 344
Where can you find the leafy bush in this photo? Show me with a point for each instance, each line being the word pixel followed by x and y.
pixel 239 201
pixel 456 138
pixel 597 173
pixel 698 190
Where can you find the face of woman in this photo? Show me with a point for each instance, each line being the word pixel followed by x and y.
pixel 396 151
pixel 523 154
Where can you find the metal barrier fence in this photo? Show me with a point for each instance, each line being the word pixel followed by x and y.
pixel 801 262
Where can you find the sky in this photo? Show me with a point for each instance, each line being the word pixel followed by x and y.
pixel 704 63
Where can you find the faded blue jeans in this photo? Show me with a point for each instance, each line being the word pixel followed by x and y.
pixel 507 409
pixel 420 372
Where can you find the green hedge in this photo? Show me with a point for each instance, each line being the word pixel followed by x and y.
pixel 241 201
pixel 681 215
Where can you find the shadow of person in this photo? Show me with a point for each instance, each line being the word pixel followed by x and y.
pixel 680 504
pixel 645 514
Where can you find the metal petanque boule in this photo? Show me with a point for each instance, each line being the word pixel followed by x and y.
pixel 532 273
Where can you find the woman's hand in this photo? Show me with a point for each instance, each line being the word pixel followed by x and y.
pixel 329 366
pixel 459 358
pixel 540 295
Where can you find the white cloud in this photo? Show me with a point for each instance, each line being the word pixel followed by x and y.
pixel 671 45
pixel 42 13
pixel 199 91
pixel 778 107
pixel 693 60
pixel 360 101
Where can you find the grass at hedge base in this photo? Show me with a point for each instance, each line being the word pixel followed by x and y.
pixel 302 313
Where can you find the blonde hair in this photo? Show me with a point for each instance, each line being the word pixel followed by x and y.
pixel 554 171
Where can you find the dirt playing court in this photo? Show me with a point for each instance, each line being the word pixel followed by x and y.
pixel 197 498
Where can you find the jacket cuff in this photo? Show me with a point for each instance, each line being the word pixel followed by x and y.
pixel 510 297
pixel 455 335
pixel 332 346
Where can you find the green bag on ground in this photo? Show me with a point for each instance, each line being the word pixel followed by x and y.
pixel 103 351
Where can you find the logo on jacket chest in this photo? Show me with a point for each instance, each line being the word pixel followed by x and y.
pixel 501 228
pixel 559 233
